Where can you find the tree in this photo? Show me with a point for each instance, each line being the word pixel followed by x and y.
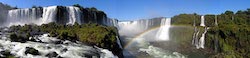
pixel 15 7
pixel 93 9
pixel 228 12
pixel 248 11
pixel 34 6
pixel 240 12
pixel 78 5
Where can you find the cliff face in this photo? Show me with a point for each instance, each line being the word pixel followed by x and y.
pixel 3 12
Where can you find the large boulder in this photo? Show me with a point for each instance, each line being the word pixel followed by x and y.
pixel 32 51
pixel 51 55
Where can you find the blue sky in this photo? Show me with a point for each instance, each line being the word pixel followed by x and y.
pixel 143 9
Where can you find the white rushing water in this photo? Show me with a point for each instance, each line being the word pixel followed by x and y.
pixel 215 20
pixel 202 39
pixel 163 33
pixel 202 21
pixel 31 16
pixel 160 53
pixel 156 52
pixel 200 42
pixel 195 40
pixel 74 15
pixel 67 49
pixel 159 27
pixel 42 15
pixel 49 15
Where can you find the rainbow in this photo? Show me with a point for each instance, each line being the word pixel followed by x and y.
pixel 140 35
pixel 146 32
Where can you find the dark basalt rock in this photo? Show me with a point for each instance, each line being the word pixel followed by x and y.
pixel 51 55
pixel 32 51
pixel 6 54
pixel 16 38
pixel 58 42
pixel 64 50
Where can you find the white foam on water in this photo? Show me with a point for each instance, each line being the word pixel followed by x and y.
pixel 66 49
pixel 160 53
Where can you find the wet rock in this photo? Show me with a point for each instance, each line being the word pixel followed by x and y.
pixel 34 39
pixel 51 55
pixel 32 51
pixel 58 42
pixel 59 57
pixel 6 54
pixel 65 50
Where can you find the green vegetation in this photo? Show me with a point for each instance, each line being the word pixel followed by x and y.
pixel 93 34
pixel 229 39
pixel 186 19
pixel 232 35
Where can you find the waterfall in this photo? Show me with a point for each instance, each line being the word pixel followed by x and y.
pixel 59 14
pixel 216 22
pixel 196 41
pixel 163 33
pixel 24 16
pixel 32 16
pixel 140 33
pixel 160 28
pixel 202 21
pixel 133 28
pixel 74 15
pixel 49 14
pixel 202 39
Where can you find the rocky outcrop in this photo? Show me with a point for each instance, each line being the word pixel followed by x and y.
pixel 31 51
pixel 3 12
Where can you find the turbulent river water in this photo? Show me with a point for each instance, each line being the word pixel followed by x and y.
pixel 46 45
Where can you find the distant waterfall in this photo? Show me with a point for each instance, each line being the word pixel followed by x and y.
pixel 42 15
pixel 215 20
pixel 202 39
pixel 199 42
pixel 141 32
pixel 202 21
pixel 195 40
pixel 22 16
pixel 132 28
pixel 163 33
